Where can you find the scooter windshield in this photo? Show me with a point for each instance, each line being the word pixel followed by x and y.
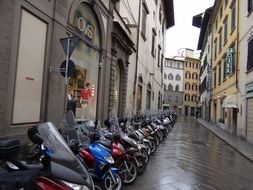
pixel 75 131
pixel 61 155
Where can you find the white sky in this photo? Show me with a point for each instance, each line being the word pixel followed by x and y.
pixel 183 34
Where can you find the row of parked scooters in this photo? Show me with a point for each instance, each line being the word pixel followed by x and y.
pixel 84 155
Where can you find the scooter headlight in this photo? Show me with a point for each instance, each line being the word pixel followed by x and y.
pixel 109 159
pixel 76 186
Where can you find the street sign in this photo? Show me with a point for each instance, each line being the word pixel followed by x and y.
pixel 73 41
pixel 229 61
pixel 71 69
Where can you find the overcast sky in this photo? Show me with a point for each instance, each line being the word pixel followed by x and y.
pixel 183 34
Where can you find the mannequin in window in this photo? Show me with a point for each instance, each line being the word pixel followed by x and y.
pixel 85 94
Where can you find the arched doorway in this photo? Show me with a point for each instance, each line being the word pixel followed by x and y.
pixel 139 94
pixel 148 97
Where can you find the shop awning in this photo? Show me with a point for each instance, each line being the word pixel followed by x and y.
pixel 230 101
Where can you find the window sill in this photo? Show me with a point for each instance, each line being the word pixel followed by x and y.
pixel 249 70
pixel 249 13
pixel 225 42
pixel 232 30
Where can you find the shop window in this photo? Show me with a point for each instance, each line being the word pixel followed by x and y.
pixel 84 84
pixel 30 66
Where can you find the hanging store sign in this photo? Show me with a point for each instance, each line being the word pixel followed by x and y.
pixel 229 61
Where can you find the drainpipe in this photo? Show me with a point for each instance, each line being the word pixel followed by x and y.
pixel 137 56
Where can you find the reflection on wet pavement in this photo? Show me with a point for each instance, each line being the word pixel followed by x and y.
pixel 192 158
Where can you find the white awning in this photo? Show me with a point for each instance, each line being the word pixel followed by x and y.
pixel 230 101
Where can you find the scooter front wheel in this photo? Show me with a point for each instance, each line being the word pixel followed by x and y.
pixel 128 171
pixel 110 185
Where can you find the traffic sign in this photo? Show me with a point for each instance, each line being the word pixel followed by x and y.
pixel 73 41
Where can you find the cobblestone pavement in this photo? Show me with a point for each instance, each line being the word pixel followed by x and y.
pixel 193 158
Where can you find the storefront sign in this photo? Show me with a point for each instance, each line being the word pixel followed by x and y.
pixel 85 27
pixel 229 61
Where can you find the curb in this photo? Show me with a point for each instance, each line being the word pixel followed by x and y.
pixel 233 145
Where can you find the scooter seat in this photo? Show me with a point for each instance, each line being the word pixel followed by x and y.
pixel 107 144
pixel 8 146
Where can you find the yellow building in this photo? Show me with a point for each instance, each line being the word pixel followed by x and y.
pixel 224 108
pixel 191 82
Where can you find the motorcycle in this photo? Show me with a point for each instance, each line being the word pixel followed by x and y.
pixel 60 169
pixel 96 157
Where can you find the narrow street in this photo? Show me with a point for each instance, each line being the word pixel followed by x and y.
pixel 192 158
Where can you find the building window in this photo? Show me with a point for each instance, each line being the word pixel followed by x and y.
pixel 170 76
pixel 193 86
pixel 224 67
pixel 215 48
pixel 226 3
pixel 153 44
pixel 170 87
pixel 225 30
pixel 189 75
pixel 145 12
pixel 185 75
pixel 178 78
pixel 220 39
pixel 250 55
pixel 165 76
pixel 164 86
pixel 148 98
pixel 185 86
pixel 186 64
pixel 162 63
pixel 250 6
pixel 233 58
pixel 215 77
pixel 196 87
pixel 160 14
pixel 177 88
pixel 159 54
pixel 221 12
pixel 233 15
pixel 219 73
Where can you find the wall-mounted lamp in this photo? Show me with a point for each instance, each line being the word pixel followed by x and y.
pixel 151 74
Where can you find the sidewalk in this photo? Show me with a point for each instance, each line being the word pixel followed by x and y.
pixel 237 143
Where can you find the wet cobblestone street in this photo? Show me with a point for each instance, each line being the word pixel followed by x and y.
pixel 192 158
